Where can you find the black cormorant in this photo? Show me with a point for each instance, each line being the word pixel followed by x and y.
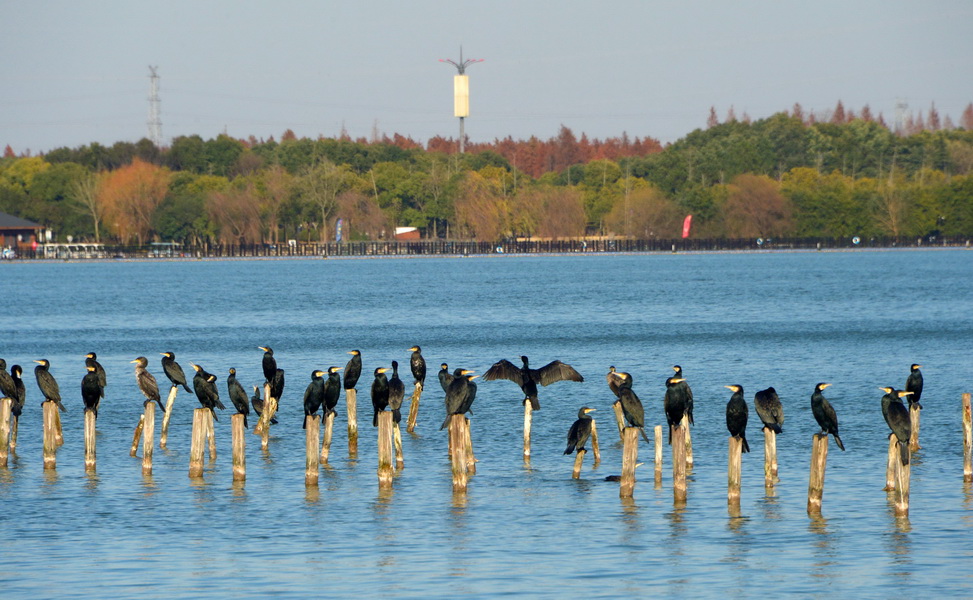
pixel 528 378
pixel 91 390
pixel 617 380
pixel 619 477
pixel 7 388
pixel 824 414
pixel 769 409
pixel 277 385
pixel 380 393
pixel 313 396
pixel 396 393
pixel 680 382
pixel 458 393
pixel 91 359
pixel 269 364
pixel 173 371
pixel 47 383
pixel 16 373
pixel 353 370
pixel 580 431
pixel 418 365
pixel 897 417
pixel 332 390
pixel 632 409
pixel 257 401
pixel 737 414
pixel 445 378
pixel 914 384
pixel 204 384
pixel 238 396
pixel 675 403
pixel 146 382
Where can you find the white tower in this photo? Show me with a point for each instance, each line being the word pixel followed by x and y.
pixel 155 122
pixel 461 93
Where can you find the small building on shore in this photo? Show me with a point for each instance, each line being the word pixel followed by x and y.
pixel 19 234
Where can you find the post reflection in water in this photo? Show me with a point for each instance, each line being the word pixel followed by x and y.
pixel 825 561
pixel 898 545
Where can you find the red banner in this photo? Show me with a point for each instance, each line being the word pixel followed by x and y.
pixel 686 225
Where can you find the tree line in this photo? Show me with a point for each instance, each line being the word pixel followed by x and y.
pixel 792 174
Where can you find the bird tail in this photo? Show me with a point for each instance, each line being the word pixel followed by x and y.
pixel 746 446
pixel 445 423
pixel 219 405
pixel 569 449
pixel 775 428
pixel 273 421
pixel 904 452
pixel 245 425
pixel 187 388
pixel 534 402
pixel 215 418
pixel 162 406
pixel 645 437
pixel 375 419
pixel 60 406
pixel 837 440
pixel 396 415
pixel 670 434
pixel 304 424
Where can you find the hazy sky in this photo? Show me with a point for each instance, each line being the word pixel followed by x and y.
pixel 75 72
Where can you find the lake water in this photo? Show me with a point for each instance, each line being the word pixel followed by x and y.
pixel 788 320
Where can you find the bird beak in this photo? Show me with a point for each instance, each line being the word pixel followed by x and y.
pixel 133 361
pixel 472 377
pixel 383 370
pixel 467 371
pixel 40 362
pixel 349 353
pixel 904 394
pixel 885 389
pixel 826 385
pixel 677 380
pixel 731 387
pixel 262 348
pixel 589 410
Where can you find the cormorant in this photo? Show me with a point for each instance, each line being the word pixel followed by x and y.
pixel 47 383
pixel 418 365
pixel 277 385
pixel 675 403
pixel 687 391
pixel 897 417
pixel 91 390
pixel 204 384
pixel 353 370
pixel 7 388
pixel 332 390
pixel 914 384
pixel 632 409
pixel 396 393
pixel 91 359
pixel 269 364
pixel 146 382
pixel 380 394
pixel 257 401
pixel 445 378
pixel 528 378
pixel 173 371
pixel 313 396
pixel 619 477
pixel 824 414
pixel 458 394
pixel 238 396
pixel 769 409
pixel 467 406
pixel 580 431
pixel 617 379
pixel 737 414
pixel 16 373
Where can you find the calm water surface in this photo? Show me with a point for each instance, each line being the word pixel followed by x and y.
pixel 788 320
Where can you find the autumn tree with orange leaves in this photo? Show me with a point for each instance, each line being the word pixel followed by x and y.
pixel 237 211
pixel 129 196
pixel 755 207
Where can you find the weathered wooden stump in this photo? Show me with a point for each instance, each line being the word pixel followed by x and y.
pixel 170 402
pixel 312 437
pixel 528 417
pixel 734 469
pixel 326 444
pixel 414 408
pixel 263 424
pixel 689 441
pixel 385 443
pixel 679 464
pixel 137 436
pixel 578 459
pixel 90 457
pixel 901 494
pixel 6 405
pixel 211 434
pixel 457 451
pixel 914 421
pixel 819 463
pixel 967 440
pixel 770 458
pixel 197 444
pixel 891 459
pixel 14 425
pixel 630 458
pixel 397 443
pixel 468 441
pixel 657 434
pixel 148 437
pixel 58 432
pixel 595 448
pixel 351 399
pixel 50 435
pixel 619 419
pixel 239 442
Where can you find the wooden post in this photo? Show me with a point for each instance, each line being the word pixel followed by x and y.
pixel 967 440
pixel 263 424
pixel 468 441
pixel 457 450
pixel 679 464
pixel 198 442
pixel 902 476
pixel 148 437
pixel 630 457
pixel 326 445
pixel 893 457
pixel 58 432
pixel 770 458
pixel 238 435
pixel 50 443
pixel 619 419
pixel 594 442
pixel 528 417
pixel 351 398
pixel 89 440
pixel 578 459
pixel 734 468
pixel 397 443
pixel 914 421
pixel 211 434
pixel 312 436
pixel 819 462
pixel 170 401
pixel 658 452
pixel 5 409
pixel 414 408
pixel 385 470
pixel 689 441
pixel 137 436
pixel 13 432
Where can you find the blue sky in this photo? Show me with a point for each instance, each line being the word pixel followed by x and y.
pixel 77 72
